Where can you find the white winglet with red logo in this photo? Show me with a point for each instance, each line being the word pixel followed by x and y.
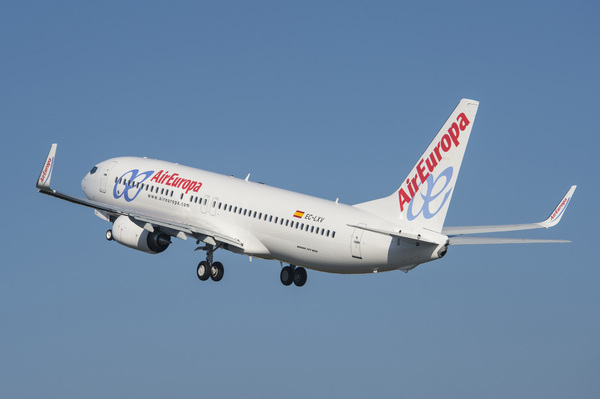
pixel 557 214
pixel 43 182
pixel 552 220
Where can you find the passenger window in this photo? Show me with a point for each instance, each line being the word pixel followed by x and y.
pixel 333 235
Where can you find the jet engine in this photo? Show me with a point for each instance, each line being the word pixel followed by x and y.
pixel 127 233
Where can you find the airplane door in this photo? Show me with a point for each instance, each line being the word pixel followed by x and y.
pixel 356 240
pixel 104 178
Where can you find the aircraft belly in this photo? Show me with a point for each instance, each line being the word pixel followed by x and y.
pixel 331 256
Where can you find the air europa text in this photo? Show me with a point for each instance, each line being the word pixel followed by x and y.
pixel 46 169
pixel 174 180
pixel 422 172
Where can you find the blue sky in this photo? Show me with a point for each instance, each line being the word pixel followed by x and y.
pixel 333 99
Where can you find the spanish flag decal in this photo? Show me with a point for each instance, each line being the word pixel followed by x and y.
pixel 299 214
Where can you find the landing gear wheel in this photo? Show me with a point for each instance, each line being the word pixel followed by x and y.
pixel 217 271
pixel 300 276
pixel 109 235
pixel 203 272
pixel 287 275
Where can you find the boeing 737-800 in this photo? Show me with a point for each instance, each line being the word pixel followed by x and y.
pixel 148 202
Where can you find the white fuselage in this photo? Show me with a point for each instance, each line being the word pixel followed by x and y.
pixel 271 223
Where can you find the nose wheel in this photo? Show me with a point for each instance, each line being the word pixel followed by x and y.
pixel 292 274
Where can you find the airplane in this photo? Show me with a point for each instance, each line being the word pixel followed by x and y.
pixel 149 202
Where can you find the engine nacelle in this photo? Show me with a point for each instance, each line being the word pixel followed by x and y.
pixel 127 233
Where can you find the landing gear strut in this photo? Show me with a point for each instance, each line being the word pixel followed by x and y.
pixel 207 268
pixel 292 274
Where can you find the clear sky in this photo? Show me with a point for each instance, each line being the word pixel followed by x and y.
pixel 333 99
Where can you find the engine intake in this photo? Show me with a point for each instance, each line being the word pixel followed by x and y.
pixel 127 233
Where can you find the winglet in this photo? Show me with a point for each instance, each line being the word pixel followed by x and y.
pixel 558 212
pixel 43 182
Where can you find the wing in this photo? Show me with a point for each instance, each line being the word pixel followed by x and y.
pixel 455 233
pixel 206 233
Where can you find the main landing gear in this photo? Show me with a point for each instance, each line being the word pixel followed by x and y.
pixel 209 269
pixel 292 274
pixel 215 270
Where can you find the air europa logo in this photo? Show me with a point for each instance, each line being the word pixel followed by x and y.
pixel 560 208
pixel 174 180
pixel 47 169
pixel 133 180
pixel 133 185
pixel 409 189
pixel 431 197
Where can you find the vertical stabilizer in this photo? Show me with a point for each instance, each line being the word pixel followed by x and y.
pixel 423 198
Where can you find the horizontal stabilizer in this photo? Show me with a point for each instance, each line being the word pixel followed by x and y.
pixel 462 240
pixel 429 237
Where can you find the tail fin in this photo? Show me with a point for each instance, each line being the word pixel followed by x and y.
pixel 423 198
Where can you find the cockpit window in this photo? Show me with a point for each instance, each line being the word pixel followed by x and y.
pixel 94 169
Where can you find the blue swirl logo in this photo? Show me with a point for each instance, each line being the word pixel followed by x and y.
pixel 133 186
pixel 429 196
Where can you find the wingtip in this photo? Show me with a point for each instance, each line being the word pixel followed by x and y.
pixel 43 182
pixel 559 211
